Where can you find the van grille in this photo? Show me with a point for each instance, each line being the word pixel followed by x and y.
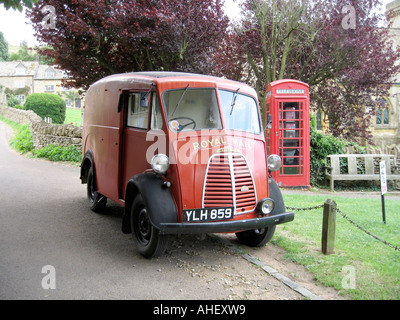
pixel 229 182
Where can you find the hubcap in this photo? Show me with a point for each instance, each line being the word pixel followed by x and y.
pixel 144 227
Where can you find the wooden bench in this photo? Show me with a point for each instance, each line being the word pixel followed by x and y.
pixel 359 167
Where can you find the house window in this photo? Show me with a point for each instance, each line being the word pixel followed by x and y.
pixel 50 74
pixel 21 99
pixel 386 116
pixel 20 71
pixel 49 88
pixel 382 116
pixel 19 84
pixel 379 116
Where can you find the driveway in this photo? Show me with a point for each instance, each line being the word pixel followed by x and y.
pixel 53 247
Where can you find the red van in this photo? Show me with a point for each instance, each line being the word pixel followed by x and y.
pixel 182 153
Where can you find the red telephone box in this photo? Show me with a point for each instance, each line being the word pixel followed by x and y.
pixel 288 133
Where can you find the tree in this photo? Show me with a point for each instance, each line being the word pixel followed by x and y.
pixel 17 4
pixel 92 39
pixel 341 50
pixel 24 53
pixel 3 48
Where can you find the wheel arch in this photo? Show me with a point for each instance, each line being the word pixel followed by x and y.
pixel 87 163
pixel 276 195
pixel 158 199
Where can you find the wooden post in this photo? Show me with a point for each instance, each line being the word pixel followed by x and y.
pixel 329 227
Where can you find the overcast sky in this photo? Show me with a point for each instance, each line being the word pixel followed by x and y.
pixel 16 28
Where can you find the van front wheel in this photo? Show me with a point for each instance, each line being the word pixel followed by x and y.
pixel 149 242
pixel 256 238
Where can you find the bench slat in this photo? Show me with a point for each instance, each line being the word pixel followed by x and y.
pixel 352 165
pixel 332 173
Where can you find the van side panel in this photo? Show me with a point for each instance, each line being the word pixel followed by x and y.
pixel 102 136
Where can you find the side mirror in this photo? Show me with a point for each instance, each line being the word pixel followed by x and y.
pixel 269 122
pixel 144 99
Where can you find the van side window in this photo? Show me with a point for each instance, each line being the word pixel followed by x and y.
pixel 156 113
pixel 138 115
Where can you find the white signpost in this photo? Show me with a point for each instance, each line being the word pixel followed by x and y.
pixel 382 167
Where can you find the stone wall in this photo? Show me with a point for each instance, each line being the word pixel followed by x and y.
pixel 44 133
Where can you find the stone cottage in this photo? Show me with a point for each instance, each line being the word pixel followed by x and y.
pixel 22 78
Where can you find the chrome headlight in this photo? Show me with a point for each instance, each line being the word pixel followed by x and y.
pixel 160 163
pixel 266 206
pixel 274 162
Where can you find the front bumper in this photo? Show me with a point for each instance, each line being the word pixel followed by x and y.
pixel 225 226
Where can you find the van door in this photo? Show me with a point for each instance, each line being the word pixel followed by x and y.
pixel 141 116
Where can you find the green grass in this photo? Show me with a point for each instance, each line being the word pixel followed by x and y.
pixel 376 265
pixel 22 142
pixel 16 126
pixel 73 115
pixel 58 153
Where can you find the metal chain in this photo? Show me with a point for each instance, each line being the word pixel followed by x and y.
pixel 366 231
pixel 305 209
pixel 397 248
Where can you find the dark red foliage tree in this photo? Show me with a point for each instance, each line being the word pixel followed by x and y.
pixel 346 56
pixel 91 39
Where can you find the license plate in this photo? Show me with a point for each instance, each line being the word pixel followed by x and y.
pixel 207 214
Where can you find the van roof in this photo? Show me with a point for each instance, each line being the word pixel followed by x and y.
pixel 163 77
pixel 164 74
pixel 167 74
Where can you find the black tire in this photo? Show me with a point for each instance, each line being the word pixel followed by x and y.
pixel 149 242
pixel 97 202
pixel 256 238
pixel 259 237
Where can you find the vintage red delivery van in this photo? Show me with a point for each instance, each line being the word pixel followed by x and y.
pixel 182 153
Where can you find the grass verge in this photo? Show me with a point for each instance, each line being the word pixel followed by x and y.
pixel 22 142
pixel 73 116
pixel 375 266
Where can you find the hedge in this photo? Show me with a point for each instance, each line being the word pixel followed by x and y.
pixel 47 105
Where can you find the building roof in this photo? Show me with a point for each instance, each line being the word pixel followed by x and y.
pixel 41 73
pixel 31 68
pixel 8 68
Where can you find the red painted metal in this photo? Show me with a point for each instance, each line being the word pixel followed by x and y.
pixel 120 151
pixel 288 103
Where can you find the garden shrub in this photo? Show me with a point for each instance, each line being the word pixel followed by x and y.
pixel 12 101
pixel 47 105
pixel 321 146
pixel 58 153
pixel 23 140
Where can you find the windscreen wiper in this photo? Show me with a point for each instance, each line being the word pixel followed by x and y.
pixel 146 95
pixel 234 100
pixel 180 100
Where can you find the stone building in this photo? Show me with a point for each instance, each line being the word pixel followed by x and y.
pixel 385 126
pixel 386 129
pixel 22 78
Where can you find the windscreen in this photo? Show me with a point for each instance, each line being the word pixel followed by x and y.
pixel 192 109
pixel 240 112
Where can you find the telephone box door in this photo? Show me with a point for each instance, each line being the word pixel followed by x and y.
pixel 288 103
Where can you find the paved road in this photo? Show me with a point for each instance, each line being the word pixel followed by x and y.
pixel 45 221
